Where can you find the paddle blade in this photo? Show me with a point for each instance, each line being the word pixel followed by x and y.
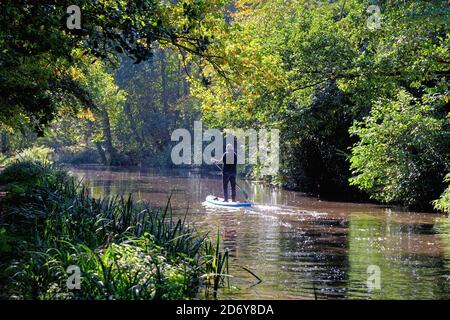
pixel 243 192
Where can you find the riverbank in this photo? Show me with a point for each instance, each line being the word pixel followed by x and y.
pixel 59 242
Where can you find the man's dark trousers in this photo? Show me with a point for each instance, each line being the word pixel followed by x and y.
pixel 229 177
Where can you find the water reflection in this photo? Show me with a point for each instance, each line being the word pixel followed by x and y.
pixel 301 246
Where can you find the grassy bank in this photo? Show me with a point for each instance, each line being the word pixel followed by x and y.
pixel 50 227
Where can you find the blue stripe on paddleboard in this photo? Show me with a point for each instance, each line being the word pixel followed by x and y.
pixel 210 199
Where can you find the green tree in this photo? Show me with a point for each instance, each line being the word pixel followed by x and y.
pixel 403 150
pixel 36 46
pixel 79 129
pixel 443 203
pixel 158 102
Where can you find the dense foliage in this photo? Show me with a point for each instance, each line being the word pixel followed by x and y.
pixel 36 47
pixel 403 151
pixel 313 68
pixel 443 203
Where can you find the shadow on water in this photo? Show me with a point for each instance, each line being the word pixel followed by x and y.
pixel 301 246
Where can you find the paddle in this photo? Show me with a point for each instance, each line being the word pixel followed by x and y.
pixel 242 190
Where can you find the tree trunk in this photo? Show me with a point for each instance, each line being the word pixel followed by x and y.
pixel 101 152
pixel 139 139
pixel 164 99
pixel 165 91
pixel 5 148
pixel 110 151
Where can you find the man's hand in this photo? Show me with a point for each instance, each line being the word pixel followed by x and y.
pixel 216 161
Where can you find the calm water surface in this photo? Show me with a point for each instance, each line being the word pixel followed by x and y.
pixel 297 244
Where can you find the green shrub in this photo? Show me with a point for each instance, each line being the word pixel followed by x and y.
pixel 41 154
pixel 24 179
pixel 135 269
pixel 31 173
pixel 403 152
pixel 443 203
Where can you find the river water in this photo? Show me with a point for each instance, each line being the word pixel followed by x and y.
pixel 301 247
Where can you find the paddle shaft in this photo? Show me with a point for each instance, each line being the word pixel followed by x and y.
pixel 242 190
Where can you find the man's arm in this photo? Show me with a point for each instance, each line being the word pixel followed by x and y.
pixel 218 161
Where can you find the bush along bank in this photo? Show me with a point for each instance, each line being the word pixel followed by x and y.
pixel 50 228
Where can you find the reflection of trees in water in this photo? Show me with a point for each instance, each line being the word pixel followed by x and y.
pixel 318 258
pixel 262 194
pixel 195 189
pixel 105 182
pixel 393 247
pixel 442 226
pixel 228 231
pixel 99 189
pixel 256 240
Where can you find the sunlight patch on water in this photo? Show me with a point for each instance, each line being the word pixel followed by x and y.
pixel 287 210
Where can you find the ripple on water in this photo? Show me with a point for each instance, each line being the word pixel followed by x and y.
pixel 299 246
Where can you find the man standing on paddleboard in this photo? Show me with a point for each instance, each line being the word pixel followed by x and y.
pixel 229 171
